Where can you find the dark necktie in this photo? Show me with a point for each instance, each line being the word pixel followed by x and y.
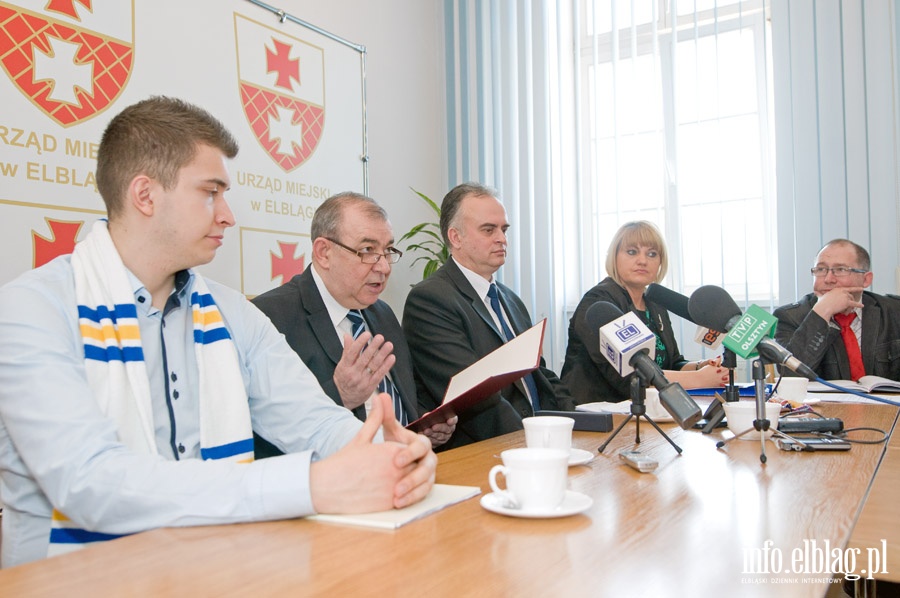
pixel 857 369
pixel 356 321
pixel 528 379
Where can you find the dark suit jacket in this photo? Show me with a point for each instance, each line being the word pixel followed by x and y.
pixel 298 312
pixel 817 344
pixel 449 328
pixel 586 372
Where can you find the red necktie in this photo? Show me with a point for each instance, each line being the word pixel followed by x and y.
pixel 857 370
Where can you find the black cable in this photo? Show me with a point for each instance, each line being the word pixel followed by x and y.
pixel 842 435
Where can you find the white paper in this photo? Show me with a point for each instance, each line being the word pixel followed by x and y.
pixel 440 497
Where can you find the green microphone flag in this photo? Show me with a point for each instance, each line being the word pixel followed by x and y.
pixel 754 325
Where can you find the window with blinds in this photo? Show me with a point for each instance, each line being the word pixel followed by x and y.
pixel 676 128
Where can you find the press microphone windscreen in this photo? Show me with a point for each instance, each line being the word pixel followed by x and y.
pixel 672 301
pixel 599 315
pixel 713 307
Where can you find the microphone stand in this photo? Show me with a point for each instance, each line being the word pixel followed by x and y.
pixel 714 413
pixel 729 360
pixel 638 410
pixel 761 424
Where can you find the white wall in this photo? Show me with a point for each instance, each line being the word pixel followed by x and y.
pixel 407 132
pixel 406 120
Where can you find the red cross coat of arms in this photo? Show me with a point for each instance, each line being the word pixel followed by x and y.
pixel 282 83
pixel 68 57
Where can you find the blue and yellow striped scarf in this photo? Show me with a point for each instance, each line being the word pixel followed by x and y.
pixel 117 374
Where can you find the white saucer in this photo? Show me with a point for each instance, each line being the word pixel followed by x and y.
pixel 579 457
pixel 574 502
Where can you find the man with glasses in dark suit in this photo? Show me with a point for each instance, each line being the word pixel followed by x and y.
pixel 840 330
pixel 331 314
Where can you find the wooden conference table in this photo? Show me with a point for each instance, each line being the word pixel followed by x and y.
pixel 880 517
pixel 703 524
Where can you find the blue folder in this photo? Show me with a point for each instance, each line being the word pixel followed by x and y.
pixel 744 390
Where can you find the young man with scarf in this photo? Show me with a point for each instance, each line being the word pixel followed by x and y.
pixel 130 386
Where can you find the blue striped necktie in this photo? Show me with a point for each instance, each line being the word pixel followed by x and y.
pixel 528 379
pixel 357 323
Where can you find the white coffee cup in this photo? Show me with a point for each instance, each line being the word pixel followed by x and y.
pixel 740 416
pixel 655 410
pixel 535 478
pixel 793 389
pixel 549 431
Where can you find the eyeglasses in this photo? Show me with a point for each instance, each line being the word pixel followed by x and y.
pixel 839 271
pixel 391 255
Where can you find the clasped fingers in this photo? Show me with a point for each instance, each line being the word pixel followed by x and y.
pixel 418 483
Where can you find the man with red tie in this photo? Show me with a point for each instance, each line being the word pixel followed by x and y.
pixel 840 330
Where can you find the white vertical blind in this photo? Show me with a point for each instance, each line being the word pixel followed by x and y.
pixel 835 74
pixel 513 127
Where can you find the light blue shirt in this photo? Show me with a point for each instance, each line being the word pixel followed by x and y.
pixel 58 450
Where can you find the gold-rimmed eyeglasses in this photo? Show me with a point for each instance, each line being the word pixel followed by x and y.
pixel 391 255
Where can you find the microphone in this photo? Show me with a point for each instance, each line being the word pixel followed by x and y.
pixel 679 305
pixel 745 334
pixel 621 337
pixel 628 345
pixel 673 301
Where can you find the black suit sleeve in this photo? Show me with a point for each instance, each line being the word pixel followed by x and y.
pixel 553 393
pixel 445 336
pixel 807 335
pixel 608 374
pixel 438 342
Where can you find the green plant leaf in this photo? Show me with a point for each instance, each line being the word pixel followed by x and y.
pixel 428 240
pixel 426 199
pixel 430 268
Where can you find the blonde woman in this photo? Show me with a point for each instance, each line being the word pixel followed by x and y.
pixel 637 257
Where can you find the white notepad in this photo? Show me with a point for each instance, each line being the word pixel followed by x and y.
pixel 441 496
